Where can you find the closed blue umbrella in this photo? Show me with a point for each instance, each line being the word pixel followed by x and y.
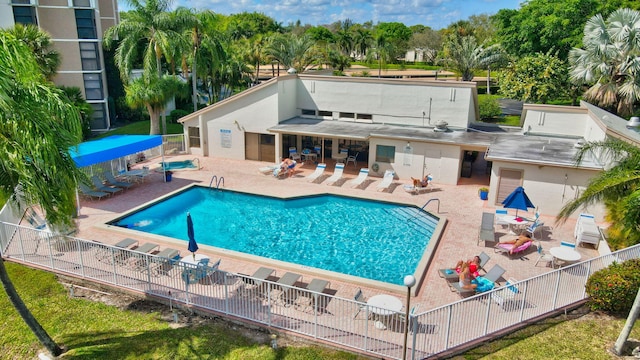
pixel 518 200
pixel 193 246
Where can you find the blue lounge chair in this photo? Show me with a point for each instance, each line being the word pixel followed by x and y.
pixel 87 191
pixel 111 180
pixel 97 183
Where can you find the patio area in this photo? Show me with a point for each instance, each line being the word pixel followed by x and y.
pixel 460 204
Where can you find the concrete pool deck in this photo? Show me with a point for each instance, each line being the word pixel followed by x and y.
pixel 460 204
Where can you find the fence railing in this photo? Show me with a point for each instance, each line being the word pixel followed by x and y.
pixel 321 315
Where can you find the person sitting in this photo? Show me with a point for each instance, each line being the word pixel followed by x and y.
pixel 473 265
pixel 291 167
pixel 426 180
pixel 466 277
pixel 517 242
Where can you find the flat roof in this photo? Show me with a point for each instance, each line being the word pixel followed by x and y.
pixel 365 131
pixel 544 150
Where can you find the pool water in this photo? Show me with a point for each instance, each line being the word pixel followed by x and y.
pixel 370 239
pixel 177 165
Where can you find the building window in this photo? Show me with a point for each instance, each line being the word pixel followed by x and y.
pixel 82 3
pixel 364 117
pixel 24 14
pixel 347 115
pixel 89 56
pixel 385 154
pixel 99 116
pixel 86 24
pixel 308 112
pixel 194 137
pixel 325 113
pixel 93 87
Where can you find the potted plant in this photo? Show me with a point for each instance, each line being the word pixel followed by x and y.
pixel 484 193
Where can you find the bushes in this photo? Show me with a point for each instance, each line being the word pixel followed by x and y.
pixel 614 288
pixel 489 108
pixel 177 114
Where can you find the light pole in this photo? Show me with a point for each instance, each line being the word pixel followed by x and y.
pixel 409 282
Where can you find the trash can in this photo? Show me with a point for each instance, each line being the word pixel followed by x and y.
pixel 168 175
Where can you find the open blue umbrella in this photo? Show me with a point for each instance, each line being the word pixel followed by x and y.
pixel 518 200
pixel 193 246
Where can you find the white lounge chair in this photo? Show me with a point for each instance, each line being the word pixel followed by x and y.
pixel 362 176
pixel 387 179
pixel 337 174
pixel 267 170
pixel 316 174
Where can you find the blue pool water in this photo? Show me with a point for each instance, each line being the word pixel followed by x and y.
pixel 177 165
pixel 370 239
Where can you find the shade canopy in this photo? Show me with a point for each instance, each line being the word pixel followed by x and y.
pixel 112 147
pixel 193 246
pixel 518 200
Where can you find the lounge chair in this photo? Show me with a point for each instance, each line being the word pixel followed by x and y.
pixel 492 275
pixel 316 174
pixel 337 174
pixel 35 220
pixel 415 189
pixel 362 176
pixel 361 302
pixel 451 274
pixel 387 179
pixel 587 231
pixel 111 180
pixel 97 183
pixel 504 296
pixel 487 230
pixel 508 248
pixel 268 169
pixel 87 191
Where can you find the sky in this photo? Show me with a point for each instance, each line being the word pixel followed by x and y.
pixel 436 14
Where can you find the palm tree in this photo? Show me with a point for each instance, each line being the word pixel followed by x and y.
pixel 609 61
pixel 295 52
pixel 617 187
pixel 465 56
pixel 39 42
pixel 150 22
pixel 382 52
pixel 151 92
pixel 361 41
pixel 37 128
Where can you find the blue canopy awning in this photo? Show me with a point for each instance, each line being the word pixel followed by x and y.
pixel 112 147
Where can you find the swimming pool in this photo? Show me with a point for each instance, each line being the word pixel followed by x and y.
pixel 179 165
pixel 370 239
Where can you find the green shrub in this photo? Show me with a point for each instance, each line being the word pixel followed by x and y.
pixel 489 108
pixel 177 114
pixel 614 289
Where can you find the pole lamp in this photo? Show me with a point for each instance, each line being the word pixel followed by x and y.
pixel 409 282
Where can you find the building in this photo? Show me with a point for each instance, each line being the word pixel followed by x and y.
pixel 413 127
pixel 76 28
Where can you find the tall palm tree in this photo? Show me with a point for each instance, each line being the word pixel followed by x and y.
pixel 151 92
pixel 361 41
pixel 295 52
pixel 39 41
pixel 37 128
pixel 617 187
pixel 609 61
pixel 382 52
pixel 465 56
pixel 150 22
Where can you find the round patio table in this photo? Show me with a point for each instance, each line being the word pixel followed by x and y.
pixel 384 304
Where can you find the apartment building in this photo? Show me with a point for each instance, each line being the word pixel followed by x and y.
pixel 76 28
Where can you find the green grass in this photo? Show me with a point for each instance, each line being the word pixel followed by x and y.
pixel 93 330
pixel 139 128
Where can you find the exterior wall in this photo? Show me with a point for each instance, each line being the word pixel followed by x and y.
pixel 552 186
pixel 440 160
pixel 6 15
pixel 253 112
pixel 563 121
pixel 399 102
pixel 287 98
pixel 59 22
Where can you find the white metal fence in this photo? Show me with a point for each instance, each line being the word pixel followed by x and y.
pixel 293 308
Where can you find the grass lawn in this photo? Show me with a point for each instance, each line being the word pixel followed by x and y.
pixel 93 330
pixel 139 128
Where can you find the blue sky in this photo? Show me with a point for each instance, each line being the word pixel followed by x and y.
pixel 436 14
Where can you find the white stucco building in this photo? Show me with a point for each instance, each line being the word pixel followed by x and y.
pixel 413 127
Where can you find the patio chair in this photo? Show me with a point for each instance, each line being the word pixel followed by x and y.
pixel 268 169
pixel 492 276
pixel 387 179
pixel 499 219
pixel 362 176
pixel 111 180
pixel 487 230
pixel 316 174
pixel 587 231
pixel 353 159
pixel 97 183
pixel 90 193
pixel 543 256
pixel 35 220
pixel 294 154
pixel 531 229
pixel 361 300
pixel 505 295
pixel 337 174
pixel 191 275
pixel 451 274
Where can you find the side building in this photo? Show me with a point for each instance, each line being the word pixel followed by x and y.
pixel 76 28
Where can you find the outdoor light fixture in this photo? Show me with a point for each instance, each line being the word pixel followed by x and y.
pixel 409 282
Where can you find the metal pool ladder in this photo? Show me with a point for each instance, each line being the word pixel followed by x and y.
pixel 217 181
